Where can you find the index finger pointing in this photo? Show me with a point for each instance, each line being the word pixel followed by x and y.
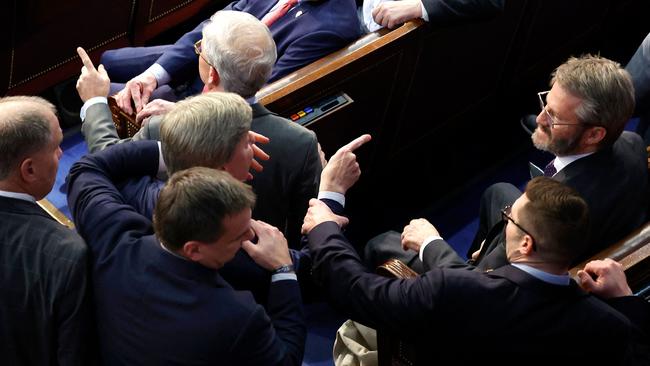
pixel 356 143
pixel 85 59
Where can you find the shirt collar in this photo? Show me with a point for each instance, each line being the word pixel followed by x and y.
pixel 172 253
pixel 561 162
pixel 252 100
pixel 20 196
pixel 561 280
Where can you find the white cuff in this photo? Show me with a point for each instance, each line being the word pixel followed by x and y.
pixel 90 102
pixel 334 196
pixel 162 168
pixel 425 15
pixel 428 240
pixel 283 277
pixel 162 76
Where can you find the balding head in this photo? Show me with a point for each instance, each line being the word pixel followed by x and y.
pixel 241 49
pixel 29 145
pixel 24 129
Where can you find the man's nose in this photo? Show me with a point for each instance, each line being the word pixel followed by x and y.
pixel 542 118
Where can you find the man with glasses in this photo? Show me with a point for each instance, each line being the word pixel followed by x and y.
pixel 235 54
pixel 581 123
pixel 303 30
pixel 528 308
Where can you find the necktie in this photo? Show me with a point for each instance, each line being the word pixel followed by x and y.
pixel 270 18
pixel 550 170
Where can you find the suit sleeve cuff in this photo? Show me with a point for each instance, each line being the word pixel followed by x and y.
pixel 162 168
pixel 89 103
pixel 428 240
pixel 162 76
pixel 334 196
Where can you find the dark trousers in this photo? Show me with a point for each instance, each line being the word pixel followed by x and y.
pixel 123 64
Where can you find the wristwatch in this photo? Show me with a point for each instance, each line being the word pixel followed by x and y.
pixel 287 268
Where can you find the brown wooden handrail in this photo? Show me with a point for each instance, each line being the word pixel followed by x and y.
pixel 363 46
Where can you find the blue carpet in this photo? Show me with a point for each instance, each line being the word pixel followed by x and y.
pixel 74 147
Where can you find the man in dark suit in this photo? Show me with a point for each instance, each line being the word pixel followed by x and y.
pixel 392 13
pixel 309 30
pixel 581 122
pixel 45 316
pixel 158 286
pixel 290 177
pixel 529 308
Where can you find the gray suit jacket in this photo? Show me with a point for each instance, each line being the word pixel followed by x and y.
pixel 99 131
pixel 290 178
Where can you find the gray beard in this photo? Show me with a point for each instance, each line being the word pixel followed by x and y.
pixel 557 147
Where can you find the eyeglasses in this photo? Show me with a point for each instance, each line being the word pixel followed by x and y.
pixel 199 51
pixel 505 215
pixel 554 120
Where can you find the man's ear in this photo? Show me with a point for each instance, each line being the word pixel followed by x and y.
pixel 192 250
pixel 527 245
pixel 595 135
pixel 28 171
pixel 213 77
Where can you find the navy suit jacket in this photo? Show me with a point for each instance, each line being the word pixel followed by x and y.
pixel 454 11
pixel 154 307
pixel 45 315
pixel 468 315
pixel 309 31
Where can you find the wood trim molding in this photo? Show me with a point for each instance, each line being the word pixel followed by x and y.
pixel 11 84
pixel 365 45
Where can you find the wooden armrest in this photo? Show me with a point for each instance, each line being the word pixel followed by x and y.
pixel 396 268
pixel 318 69
pixel 125 124
pixel 633 252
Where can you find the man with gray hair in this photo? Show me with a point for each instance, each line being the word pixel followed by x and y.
pixel 236 54
pixel 160 292
pixel 44 311
pixel 581 123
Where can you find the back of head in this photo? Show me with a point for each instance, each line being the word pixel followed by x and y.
pixel 606 91
pixel 558 218
pixel 193 204
pixel 24 130
pixel 204 130
pixel 241 49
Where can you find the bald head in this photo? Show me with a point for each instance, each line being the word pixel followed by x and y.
pixel 24 129
pixel 241 49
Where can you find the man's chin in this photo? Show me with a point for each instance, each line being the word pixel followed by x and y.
pixel 540 140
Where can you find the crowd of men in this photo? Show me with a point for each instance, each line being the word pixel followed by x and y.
pixel 194 245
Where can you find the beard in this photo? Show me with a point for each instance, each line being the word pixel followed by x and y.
pixel 543 140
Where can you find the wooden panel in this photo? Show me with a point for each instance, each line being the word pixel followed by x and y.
pixel 43 38
pixel 155 16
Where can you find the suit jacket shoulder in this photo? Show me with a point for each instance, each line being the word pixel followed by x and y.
pixel 614 183
pixel 290 178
